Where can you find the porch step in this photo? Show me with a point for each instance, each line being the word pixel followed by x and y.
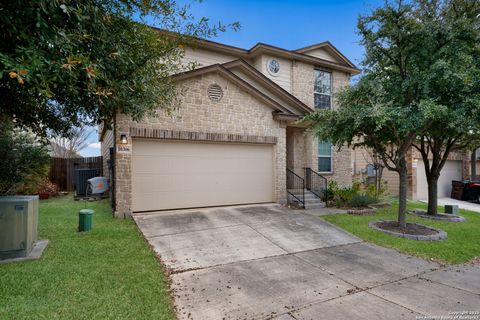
pixel 315 206
pixel 311 200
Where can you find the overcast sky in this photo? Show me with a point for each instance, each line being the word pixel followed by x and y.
pixel 286 24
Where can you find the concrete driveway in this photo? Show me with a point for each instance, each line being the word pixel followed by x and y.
pixel 267 261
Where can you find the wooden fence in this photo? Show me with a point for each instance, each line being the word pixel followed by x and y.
pixel 62 170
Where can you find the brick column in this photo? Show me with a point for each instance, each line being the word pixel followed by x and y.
pixel 280 172
pixel 123 171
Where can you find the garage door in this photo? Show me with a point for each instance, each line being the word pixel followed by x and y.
pixel 173 174
pixel 451 171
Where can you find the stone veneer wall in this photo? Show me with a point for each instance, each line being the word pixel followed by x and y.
pixel 302 88
pixel 237 113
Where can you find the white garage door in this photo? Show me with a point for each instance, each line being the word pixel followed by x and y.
pixel 173 174
pixel 451 171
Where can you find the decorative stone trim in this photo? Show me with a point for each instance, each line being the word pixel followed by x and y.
pixel 440 235
pixel 439 216
pixel 199 136
pixel 370 211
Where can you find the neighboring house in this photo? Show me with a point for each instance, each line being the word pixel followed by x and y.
pixel 457 167
pixel 235 132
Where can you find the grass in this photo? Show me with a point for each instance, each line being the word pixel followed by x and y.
pixel 107 273
pixel 462 245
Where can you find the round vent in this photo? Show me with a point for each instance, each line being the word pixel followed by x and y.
pixel 215 92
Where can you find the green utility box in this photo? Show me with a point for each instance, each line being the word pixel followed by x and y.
pixel 85 217
pixel 452 209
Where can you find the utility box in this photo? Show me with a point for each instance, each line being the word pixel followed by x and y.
pixel 18 225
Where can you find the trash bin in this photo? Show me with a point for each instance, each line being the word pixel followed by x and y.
pixel 85 220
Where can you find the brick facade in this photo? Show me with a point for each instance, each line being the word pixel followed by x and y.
pixel 239 117
pixel 303 89
pixel 237 114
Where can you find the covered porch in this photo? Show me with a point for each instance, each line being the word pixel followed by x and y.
pixel 306 187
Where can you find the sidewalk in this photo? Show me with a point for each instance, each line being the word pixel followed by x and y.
pixel 472 206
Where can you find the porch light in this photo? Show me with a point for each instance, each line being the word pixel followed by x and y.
pixel 123 138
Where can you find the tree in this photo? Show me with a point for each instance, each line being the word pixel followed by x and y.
pixel 63 147
pixel 382 110
pixel 66 63
pixel 420 87
pixel 451 84
pixel 24 161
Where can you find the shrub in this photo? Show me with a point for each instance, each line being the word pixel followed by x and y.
pixel 371 190
pixel 24 162
pixel 332 188
pixel 48 187
pixel 343 195
pixel 349 196
pixel 362 200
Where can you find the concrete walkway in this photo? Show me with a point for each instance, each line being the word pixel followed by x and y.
pixel 472 206
pixel 270 262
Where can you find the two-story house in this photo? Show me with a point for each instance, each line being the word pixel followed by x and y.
pixel 234 139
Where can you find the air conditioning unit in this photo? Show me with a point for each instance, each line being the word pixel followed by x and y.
pixel 81 180
pixel 18 225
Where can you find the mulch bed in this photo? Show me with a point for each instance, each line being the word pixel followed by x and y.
pixel 440 216
pixel 413 231
pixel 411 228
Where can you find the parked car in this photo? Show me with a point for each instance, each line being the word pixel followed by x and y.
pixel 466 190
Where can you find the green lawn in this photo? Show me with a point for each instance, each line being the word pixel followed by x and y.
pixel 107 273
pixel 462 245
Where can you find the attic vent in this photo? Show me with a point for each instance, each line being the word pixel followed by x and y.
pixel 215 92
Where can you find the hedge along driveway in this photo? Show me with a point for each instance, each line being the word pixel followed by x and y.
pixel 462 245
pixel 107 273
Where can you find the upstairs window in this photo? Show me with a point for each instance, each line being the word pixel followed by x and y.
pixel 323 89
pixel 325 157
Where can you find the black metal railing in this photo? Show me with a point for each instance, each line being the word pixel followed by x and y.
pixel 316 183
pixel 295 189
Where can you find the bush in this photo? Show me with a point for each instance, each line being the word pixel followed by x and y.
pixel 371 190
pixel 343 196
pixel 348 196
pixel 24 162
pixel 332 188
pixel 48 187
pixel 362 200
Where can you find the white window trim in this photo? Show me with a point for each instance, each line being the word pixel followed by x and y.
pixel 331 87
pixel 331 161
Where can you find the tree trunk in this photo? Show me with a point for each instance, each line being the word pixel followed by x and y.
pixel 402 195
pixel 432 194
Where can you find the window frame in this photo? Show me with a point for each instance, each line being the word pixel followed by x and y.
pixel 323 156
pixel 320 93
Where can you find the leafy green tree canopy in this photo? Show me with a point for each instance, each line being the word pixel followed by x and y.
pixel 64 63
pixel 407 63
pixel 451 84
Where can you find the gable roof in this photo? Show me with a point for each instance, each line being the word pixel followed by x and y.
pixel 330 48
pixel 278 90
pixel 291 107
pixel 345 65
